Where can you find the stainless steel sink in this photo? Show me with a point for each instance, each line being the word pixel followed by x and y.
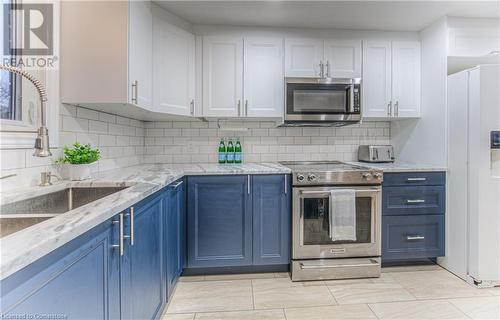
pixel 22 214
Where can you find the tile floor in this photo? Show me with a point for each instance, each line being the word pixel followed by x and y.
pixel 421 292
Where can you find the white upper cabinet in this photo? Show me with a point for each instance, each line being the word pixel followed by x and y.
pixel 263 79
pixel 406 79
pixel 140 49
pixel 376 89
pixel 391 79
pixel 342 58
pixel 242 77
pixel 473 41
pixel 222 76
pixel 174 69
pixel 303 57
pixel 107 56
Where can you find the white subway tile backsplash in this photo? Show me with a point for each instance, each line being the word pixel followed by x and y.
pixel 97 126
pixel 263 141
pixel 87 114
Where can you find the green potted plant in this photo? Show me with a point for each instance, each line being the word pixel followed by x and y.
pixel 78 161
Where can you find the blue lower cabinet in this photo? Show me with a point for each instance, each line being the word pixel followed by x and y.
pixel 175 233
pixel 219 221
pixel 238 221
pixel 271 199
pixel 412 237
pixel 78 281
pixel 143 291
pixel 413 215
pixel 413 200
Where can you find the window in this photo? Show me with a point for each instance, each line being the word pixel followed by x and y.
pixel 10 84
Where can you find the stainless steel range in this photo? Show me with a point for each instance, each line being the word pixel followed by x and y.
pixel 317 252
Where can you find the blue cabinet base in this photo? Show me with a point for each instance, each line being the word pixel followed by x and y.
pixel 236 270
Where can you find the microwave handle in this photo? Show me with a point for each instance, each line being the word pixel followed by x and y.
pixel 351 99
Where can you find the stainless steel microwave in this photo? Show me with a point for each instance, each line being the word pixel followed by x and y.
pixel 322 101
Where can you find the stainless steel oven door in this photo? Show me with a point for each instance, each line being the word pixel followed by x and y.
pixel 311 208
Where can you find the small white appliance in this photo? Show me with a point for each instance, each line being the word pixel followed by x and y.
pixel 473 179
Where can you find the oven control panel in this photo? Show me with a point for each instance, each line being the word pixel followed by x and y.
pixel 371 177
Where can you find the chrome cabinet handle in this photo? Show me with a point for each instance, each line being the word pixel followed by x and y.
pixel 286 184
pixel 135 84
pixel 120 241
pixel 415 201
pixel 191 104
pixel 246 108
pixel 415 179
pixel 327 68
pixel 131 236
pixel 396 109
pixel 248 184
pixel 321 69
pixel 239 108
pixel 175 186
pixel 415 238
pixel 389 108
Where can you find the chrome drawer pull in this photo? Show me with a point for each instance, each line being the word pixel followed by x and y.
pixel 415 201
pixel 175 186
pixel 415 238
pixel 131 236
pixel 416 179
pixel 120 243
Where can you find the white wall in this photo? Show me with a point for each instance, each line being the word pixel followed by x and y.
pixel 424 140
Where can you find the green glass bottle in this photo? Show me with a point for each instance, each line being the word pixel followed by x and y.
pixel 237 152
pixel 230 152
pixel 222 151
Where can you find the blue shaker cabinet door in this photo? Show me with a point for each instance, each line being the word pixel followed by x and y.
pixel 175 233
pixel 77 281
pixel 143 291
pixel 271 219
pixel 219 221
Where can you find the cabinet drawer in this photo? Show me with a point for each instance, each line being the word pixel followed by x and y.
pixel 410 237
pixel 414 179
pixel 413 200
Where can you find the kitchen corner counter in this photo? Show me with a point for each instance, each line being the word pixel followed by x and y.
pixel 20 249
pixel 400 167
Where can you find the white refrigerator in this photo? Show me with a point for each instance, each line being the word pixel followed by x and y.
pixel 473 178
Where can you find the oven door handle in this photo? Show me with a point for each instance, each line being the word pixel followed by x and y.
pixel 323 266
pixel 328 191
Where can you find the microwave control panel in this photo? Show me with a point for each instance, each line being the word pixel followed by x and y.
pixel 357 94
pixel 495 139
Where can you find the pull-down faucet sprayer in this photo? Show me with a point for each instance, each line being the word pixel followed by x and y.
pixel 42 145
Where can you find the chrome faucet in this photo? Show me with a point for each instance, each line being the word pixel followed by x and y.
pixel 42 145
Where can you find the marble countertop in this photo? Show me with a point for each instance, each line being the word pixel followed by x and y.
pixel 399 166
pixel 20 249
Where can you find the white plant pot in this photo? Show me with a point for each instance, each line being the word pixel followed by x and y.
pixel 78 172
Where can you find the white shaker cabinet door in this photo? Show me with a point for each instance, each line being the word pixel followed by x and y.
pixel 343 58
pixel 140 54
pixel 376 85
pixel 303 57
pixel 174 58
pixel 222 76
pixel 406 79
pixel 263 78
